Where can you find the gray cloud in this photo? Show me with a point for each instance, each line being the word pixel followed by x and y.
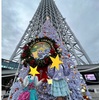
pixel 15 19
pixel 81 15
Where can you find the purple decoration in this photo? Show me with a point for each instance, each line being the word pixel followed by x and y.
pixel 44 92
pixel 59 74
pixel 23 72
pixel 71 75
pixel 16 93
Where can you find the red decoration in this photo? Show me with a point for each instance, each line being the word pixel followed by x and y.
pixel 26 47
pixel 16 89
pixel 69 65
pixel 52 51
pixel 63 43
pixel 86 97
pixel 32 62
pixel 46 60
pixel 43 73
pixel 44 33
pixel 56 46
pixel 62 57
pixel 23 55
pixel 68 55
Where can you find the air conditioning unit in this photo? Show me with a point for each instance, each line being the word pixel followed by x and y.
pixel 96 90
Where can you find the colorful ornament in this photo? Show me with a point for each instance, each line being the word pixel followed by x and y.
pixel 71 92
pixel 44 87
pixel 68 55
pixel 52 51
pixel 72 66
pixel 81 77
pixel 56 46
pixel 32 62
pixel 26 47
pixel 62 57
pixel 23 55
pixel 49 81
pixel 82 90
pixel 86 97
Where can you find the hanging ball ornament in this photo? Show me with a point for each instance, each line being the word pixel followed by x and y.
pixel 75 66
pixel 23 61
pixel 75 72
pixel 62 57
pixel 81 77
pixel 81 84
pixel 72 66
pixel 78 89
pixel 68 55
pixel 49 53
pixel 82 90
pixel 63 43
pixel 60 50
pixel 44 87
pixel 67 79
pixel 11 97
pixel 71 92
pixel 84 87
pixel 87 97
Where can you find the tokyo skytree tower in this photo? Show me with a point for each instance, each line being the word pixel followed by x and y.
pixel 72 45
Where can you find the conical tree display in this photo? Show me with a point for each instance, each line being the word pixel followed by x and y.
pixel 48 73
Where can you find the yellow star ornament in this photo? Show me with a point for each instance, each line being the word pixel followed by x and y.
pixel 56 61
pixel 33 71
pixel 49 81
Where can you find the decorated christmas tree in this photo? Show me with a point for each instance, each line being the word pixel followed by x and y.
pixel 48 73
pixel 77 85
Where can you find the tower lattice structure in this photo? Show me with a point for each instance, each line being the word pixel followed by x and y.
pixel 49 8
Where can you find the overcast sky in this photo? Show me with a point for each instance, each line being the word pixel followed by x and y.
pixel 81 15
